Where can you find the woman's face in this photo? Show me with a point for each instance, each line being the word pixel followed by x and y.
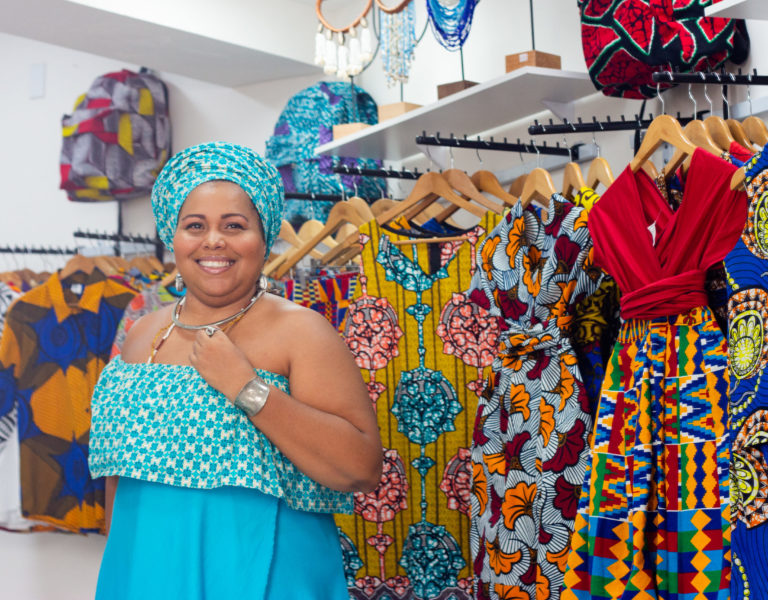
pixel 219 245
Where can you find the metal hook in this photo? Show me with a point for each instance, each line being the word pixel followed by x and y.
pixel 706 95
pixel 450 154
pixel 661 98
pixel 690 95
pixel 479 158
pixel 538 154
pixel 726 104
pixel 567 147
pixel 749 93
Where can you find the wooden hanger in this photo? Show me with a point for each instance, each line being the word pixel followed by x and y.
pixel 363 208
pixel 485 181
pixel 719 132
pixel 462 183
pixel 77 263
pixel 573 180
pixel 288 234
pixel 382 205
pixel 538 186
pixel 756 130
pixel 428 188
pixel 600 172
pixel 662 129
pixel 516 187
pixel 340 214
pixel 697 133
pixel 738 133
pixel 170 278
pixel 650 170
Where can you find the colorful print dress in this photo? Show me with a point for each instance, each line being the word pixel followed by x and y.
pixel 653 516
pixel 596 323
pixel 422 348
pixel 746 266
pixel 530 442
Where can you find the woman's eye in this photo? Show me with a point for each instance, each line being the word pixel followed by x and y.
pixel 194 226
pixel 234 226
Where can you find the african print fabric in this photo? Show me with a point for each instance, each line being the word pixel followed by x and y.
pixel 596 323
pixel 653 514
pixel 748 408
pixel 529 448
pixel 149 300
pixel 56 341
pixel 626 41
pixel 329 294
pixel 422 348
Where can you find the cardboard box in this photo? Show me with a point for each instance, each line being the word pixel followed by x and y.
pixel 446 89
pixel 532 58
pixel 389 111
pixel 339 131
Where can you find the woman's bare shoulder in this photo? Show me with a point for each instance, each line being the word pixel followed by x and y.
pixel 138 340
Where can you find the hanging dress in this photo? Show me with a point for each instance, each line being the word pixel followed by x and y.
pixel 530 442
pixel 746 266
pixel 596 323
pixel 653 515
pixel 422 348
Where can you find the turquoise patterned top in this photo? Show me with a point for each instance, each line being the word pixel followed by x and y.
pixel 164 423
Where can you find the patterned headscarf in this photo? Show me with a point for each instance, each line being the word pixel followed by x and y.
pixel 217 160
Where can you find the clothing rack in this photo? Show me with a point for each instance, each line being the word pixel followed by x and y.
pixel 122 237
pixel 320 197
pixel 505 146
pixel 595 126
pixel 722 79
pixel 713 78
pixel 36 250
pixel 382 173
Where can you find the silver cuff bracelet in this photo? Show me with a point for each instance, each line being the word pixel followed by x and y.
pixel 252 397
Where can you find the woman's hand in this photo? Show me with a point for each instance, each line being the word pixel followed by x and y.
pixel 222 364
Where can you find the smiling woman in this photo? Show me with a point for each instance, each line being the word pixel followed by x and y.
pixel 235 422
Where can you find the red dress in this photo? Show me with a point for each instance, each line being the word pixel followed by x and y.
pixel 653 516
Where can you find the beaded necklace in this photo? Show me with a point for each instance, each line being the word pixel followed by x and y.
pixel 451 20
pixel 398 40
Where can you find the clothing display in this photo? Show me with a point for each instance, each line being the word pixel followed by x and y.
pixel 327 293
pixel 422 348
pixel 748 394
pixel 596 323
pixel 55 342
pixel 654 510
pixel 530 448
pixel 191 452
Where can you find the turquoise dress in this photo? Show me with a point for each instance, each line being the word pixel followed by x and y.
pixel 206 507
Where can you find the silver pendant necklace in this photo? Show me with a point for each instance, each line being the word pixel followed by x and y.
pixel 211 328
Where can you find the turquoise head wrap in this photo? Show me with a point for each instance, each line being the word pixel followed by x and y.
pixel 217 160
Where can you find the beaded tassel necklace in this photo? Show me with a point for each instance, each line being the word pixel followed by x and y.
pixel 451 20
pixel 398 40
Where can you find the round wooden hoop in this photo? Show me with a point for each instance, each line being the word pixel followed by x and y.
pixel 355 23
pixel 394 10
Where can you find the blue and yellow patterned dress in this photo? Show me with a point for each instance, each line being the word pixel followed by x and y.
pixel 746 266
pixel 206 506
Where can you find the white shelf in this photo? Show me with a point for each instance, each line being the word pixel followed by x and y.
pixel 739 9
pixel 513 96
pixel 132 40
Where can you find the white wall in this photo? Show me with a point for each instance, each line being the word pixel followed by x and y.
pixel 34 211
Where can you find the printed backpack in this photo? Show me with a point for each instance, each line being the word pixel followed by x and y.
pixel 306 122
pixel 626 41
pixel 117 139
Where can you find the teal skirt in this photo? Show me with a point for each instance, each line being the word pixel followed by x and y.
pixel 169 542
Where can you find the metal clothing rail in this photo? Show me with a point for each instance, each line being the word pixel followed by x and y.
pixel 713 78
pixel 36 250
pixel 321 197
pixel 505 146
pixel 596 126
pixel 123 237
pixel 382 173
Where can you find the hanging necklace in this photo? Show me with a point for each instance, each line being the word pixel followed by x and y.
pixel 398 40
pixel 451 20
